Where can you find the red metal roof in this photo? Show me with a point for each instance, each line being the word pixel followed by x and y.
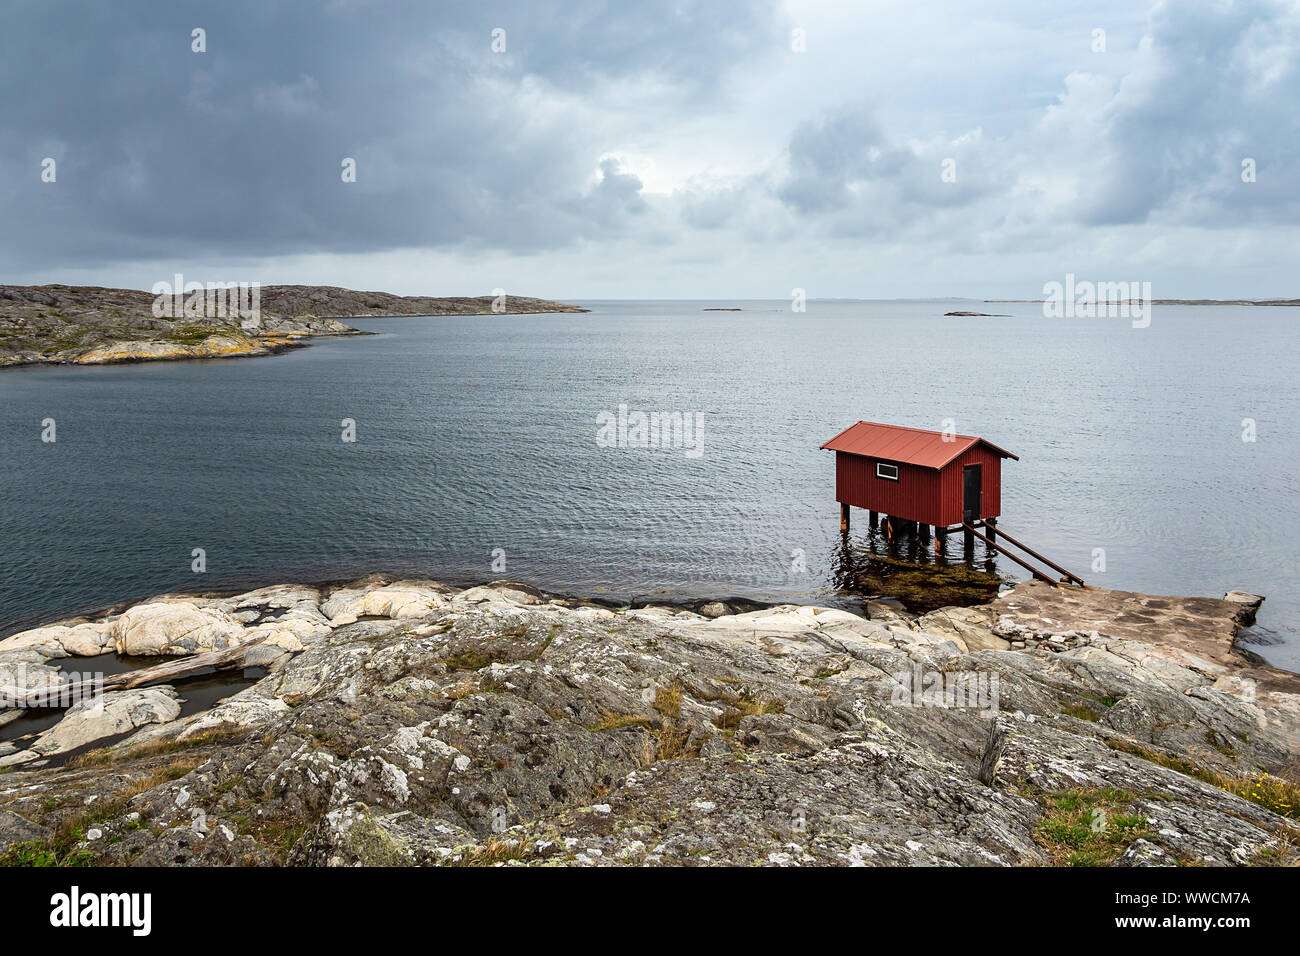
pixel 912 446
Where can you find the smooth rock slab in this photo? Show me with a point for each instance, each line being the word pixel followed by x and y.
pixel 243 711
pixel 175 629
pixel 971 626
pixel 61 640
pixel 111 714
pixel 400 599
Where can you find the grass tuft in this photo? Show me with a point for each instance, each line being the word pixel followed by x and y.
pixel 472 661
pixel 1080 712
pixel 1088 826
pixel 1278 794
pixel 745 706
pixel 668 701
pixel 491 853
pixel 152 748
pixel 613 721
pixel 1273 793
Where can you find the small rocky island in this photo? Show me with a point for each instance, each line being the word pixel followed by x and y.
pixel 408 722
pixel 86 325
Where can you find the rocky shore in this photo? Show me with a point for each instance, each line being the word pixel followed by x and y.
pixel 85 325
pixel 409 722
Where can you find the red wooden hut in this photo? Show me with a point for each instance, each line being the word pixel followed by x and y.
pixel 931 478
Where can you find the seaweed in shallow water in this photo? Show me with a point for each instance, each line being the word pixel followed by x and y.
pixel 922 585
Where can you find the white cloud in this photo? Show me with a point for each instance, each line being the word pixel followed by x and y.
pixel 686 143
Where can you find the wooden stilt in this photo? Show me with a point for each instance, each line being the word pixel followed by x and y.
pixel 991 526
pixel 844 519
pixel 874 518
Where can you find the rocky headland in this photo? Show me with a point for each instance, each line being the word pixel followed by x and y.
pixel 410 722
pixel 86 325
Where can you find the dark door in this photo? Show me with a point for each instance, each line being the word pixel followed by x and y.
pixel 973 487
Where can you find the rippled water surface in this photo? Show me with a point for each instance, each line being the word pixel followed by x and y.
pixel 479 433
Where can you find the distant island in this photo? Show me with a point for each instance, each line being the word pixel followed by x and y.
pixel 88 325
pixel 721 308
pixel 983 315
pixel 1282 302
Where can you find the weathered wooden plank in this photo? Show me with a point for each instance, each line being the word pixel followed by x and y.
pixel 168 670
pixel 1034 554
pixel 972 533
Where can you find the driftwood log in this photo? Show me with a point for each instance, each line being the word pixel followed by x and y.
pixel 230 657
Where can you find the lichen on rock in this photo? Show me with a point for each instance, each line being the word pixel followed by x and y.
pixel 412 723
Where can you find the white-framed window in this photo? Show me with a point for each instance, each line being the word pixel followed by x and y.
pixel 885 470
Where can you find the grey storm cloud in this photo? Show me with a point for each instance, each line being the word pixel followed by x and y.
pixel 1217 86
pixel 840 176
pixel 1212 86
pixel 658 133
pixel 616 197
pixel 847 169
pixel 828 159
pixel 163 151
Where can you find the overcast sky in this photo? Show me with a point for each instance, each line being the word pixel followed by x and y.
pixel 655 149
